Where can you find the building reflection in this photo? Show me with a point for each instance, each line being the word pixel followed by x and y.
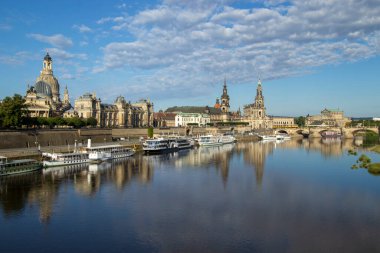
pixel 41 189
pixel 254 154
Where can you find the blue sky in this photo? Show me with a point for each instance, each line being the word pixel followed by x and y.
pixel 310 54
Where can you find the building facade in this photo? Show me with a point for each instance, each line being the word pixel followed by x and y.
pixel 43 98
pixel 185 119
pixel 283 122
pixel 255 114
pixel 119 114
pixel 327 118
pixel 164 119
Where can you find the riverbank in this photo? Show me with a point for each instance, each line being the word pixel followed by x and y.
pixel 33 152
pixel 376 149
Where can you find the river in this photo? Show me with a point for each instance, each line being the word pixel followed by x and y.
pixel 293 196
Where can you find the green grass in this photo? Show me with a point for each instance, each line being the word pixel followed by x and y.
pixel 374 168
pixel 376 148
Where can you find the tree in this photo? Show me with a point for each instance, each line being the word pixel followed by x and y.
pixel 75 122
pixel 300 121
pixel 91 122
pixel 150 132
pixel 12 111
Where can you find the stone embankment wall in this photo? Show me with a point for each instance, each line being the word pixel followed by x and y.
pixel 43 138
pixel 58 137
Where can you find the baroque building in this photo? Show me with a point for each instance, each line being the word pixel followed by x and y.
pixel 119 114
pixel 43 98
pixel 255 114
pixel 187 119
pixel 328 118
pixel 220 112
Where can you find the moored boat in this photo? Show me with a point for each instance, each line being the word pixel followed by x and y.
pixel 97 156
pixel 62 159
pixel 210 140
pixel 159 145
pixel 227 138
pixel 268 137
pixel 183 143
pixel 18 166
pixel 282 137
pixel 105 152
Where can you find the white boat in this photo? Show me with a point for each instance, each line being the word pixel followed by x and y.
pixel 227 138
pixel 60 159
pixel 268 137
pixel 109 151
pixel 97 156
pixel 282 137
pixel 182 142
pixel 210 140
pixel 159 145
pixel 17 166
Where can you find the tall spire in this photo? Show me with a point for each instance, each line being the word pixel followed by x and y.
pixel 66 98
pixel 225 99
pixel 259 99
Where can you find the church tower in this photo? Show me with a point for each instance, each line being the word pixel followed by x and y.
pixel 225 105
pixel 259 101
pixel 66 98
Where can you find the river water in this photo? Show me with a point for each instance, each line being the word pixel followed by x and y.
pixel 294 196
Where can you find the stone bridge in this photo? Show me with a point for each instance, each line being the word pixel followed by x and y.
pixel 349 132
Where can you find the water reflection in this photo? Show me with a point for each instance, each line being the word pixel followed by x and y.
pixel 41 189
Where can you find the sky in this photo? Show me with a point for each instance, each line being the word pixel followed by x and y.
pixel 309 54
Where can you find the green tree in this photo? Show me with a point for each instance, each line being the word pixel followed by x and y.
pixel 300 121
pixel 150 132
pixel 91 122
pixel 76 122
pixel 13 110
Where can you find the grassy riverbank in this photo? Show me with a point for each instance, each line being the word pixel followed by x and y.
pixel 376 149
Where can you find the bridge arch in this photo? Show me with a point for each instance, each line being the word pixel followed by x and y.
pixel 330 132
pixel 363 131
pixel 281 131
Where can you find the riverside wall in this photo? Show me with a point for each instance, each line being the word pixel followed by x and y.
pixel 31 138
pixel 53 137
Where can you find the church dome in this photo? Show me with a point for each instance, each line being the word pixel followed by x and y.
pixel 43 89
pixel 47 57
pixel 51 81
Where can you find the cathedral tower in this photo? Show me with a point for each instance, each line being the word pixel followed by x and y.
pixel 258 105
pixel 225 105
pixel 66 98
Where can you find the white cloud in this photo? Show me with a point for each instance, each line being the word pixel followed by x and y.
pixel 63 55
pixel 18 58
pixel 82 28
pixel 56 40
pixel 67 76
pixel 5 27
pixel 83 43
pixel 189 44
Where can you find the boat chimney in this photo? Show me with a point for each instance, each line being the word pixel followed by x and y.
pixel 89 143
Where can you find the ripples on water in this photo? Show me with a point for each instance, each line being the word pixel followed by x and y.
pixel 296 196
